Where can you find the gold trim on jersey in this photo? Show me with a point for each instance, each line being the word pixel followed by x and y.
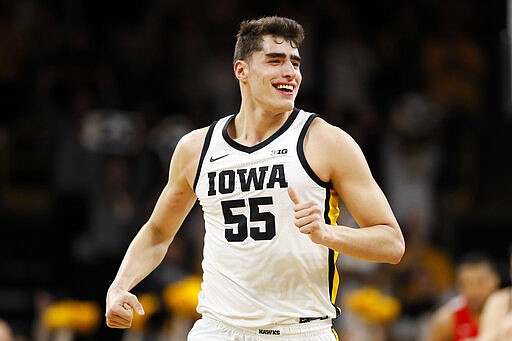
pixel 334 212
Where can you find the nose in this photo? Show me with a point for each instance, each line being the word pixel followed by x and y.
pixel 289 69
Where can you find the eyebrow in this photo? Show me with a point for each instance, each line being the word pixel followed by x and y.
pixel 293 57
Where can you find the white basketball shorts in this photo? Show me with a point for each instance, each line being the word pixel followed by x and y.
pixel 209 329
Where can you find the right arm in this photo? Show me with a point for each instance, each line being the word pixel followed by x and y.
pixel 150 245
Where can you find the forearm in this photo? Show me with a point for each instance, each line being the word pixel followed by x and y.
pixel 144 254
pixel 380 243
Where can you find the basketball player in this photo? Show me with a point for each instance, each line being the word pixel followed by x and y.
pixel 458 319
pixel 496 320
pixel 268 179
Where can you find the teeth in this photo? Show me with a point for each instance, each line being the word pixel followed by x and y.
pixel 285 87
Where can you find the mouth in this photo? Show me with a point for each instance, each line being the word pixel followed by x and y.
pixel 284 88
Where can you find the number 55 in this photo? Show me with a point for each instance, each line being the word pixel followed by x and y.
pixel 269 230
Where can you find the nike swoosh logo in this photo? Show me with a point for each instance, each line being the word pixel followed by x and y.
pixel 212 159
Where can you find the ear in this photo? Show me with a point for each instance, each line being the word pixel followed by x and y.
pixel 240 68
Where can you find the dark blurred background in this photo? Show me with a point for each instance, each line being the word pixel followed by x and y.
pixel 95 94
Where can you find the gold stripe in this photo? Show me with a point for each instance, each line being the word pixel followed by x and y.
pixel 336 280
pixel 335 334
pixel 334 212
pixel 334 209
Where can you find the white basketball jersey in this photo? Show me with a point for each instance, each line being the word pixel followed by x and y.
pixel 259 270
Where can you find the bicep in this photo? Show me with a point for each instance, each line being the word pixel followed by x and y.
pixel 177 197
pixel 171 208
pixel 353 180
pixel 365 201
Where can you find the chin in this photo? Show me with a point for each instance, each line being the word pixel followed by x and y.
pixel 278 105
pixel 283 107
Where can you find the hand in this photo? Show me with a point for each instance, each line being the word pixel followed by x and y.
pixel 120 306
pixel 309 219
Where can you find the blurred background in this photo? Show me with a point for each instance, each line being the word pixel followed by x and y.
pixel 95 94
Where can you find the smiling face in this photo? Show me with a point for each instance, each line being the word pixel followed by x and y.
pixel 271 77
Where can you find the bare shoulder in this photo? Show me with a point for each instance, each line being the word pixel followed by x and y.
pixel 192 142
pixel 188 152
pixel 339 154
pixel 324 132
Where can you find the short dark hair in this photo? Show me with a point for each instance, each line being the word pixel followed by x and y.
pixel 477 257
pixel 251 33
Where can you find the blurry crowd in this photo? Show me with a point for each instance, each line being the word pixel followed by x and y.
pixel 94 96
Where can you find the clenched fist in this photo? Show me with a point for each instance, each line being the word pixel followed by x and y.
pixel 309 219
pixel 119 308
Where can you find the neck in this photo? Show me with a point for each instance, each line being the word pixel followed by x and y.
pixel 254 125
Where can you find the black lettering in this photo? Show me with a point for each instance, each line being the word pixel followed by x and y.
pixel 211 181
pixel 227 181
pixel 239 219
pixel 277 176
pixel 250 179
pixel 269 332
pixel 245 183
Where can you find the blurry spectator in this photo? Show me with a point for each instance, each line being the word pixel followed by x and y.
pixel 112 132
pixel 424 276
pixel 410 163
pixel 73 168
pixel 348 68
pixel 453 61
pixel 398 42
pixel 476 279
pixel 113 211
pixel 496 319
pixel 349 61
pixel 112 138
pixel 454 66
pixel 165 134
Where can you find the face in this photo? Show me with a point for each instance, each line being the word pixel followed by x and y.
pixel 270 79
pixel 476 282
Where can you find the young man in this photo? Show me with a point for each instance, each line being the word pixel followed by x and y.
pixel 457 320
pixel 268 179
pixel 496 320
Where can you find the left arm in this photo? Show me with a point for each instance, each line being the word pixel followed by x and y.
pixel 379 238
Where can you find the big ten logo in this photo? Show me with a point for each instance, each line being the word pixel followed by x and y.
pixel 279 151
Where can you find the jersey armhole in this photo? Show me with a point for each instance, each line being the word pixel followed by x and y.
pixel 302 156
pixel 206 144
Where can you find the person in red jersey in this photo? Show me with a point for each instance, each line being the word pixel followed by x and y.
pixel 458 319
